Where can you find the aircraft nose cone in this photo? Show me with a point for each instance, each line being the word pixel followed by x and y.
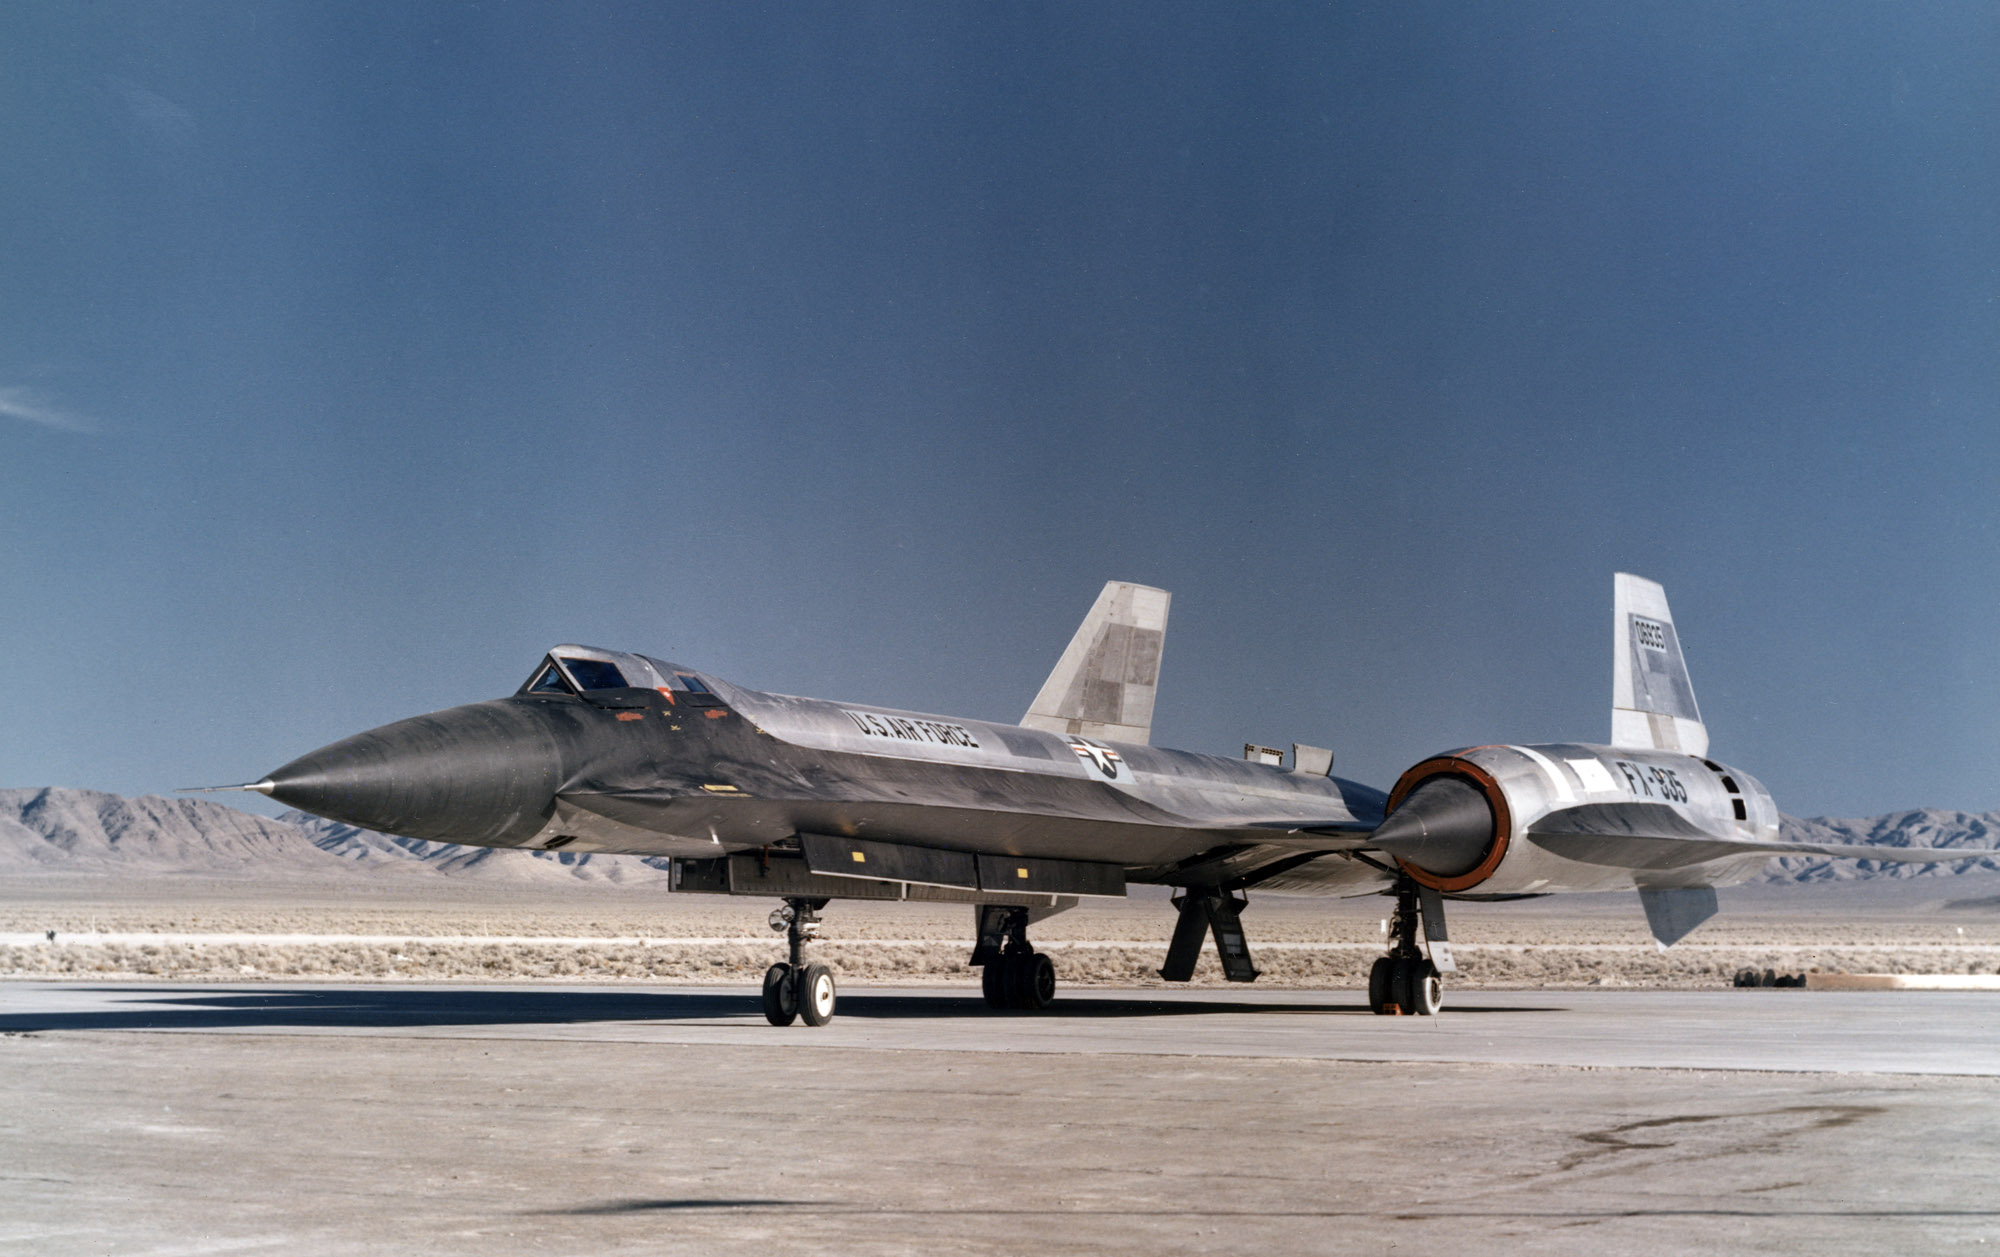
pixel 1444 827
pixel 485 773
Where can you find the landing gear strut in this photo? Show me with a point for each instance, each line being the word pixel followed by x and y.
pixel 1012 973
pixel 795 989
pixel 1405 981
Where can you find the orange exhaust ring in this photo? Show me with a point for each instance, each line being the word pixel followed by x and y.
pixel 1496 798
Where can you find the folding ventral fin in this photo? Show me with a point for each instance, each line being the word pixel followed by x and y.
pixel 1104 684
pixel 1652 701
pixel 1208 910
pixel 1673 913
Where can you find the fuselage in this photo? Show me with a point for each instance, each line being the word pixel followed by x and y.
pixel 682 763
pixel 609 752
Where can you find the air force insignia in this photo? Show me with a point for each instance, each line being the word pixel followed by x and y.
pixel 1099 760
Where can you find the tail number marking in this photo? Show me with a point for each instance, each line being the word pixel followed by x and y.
pixel 1649 782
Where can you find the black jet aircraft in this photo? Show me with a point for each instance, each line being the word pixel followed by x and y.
pixel 806 801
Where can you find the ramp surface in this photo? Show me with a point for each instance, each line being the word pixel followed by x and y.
pixel 502 1120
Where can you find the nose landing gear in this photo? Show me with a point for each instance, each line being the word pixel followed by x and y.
pixel 1405 981
pixel 794 989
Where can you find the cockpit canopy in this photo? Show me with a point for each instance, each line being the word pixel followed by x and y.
pixel 585 669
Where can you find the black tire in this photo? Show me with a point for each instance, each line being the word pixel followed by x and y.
pixel 781 996
pixel 1014 980
pixel 1381 987
pixel 1038 982
pixel 1399 985
pixel 993 982
pixel 1418 988
pixel 817 995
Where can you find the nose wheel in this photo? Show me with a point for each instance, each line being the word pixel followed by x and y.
pixel 794 989
pixel 781 995
pixel 816 995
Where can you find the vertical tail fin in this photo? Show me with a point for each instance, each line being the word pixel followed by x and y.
pixel 1104 684
pixel 1652 701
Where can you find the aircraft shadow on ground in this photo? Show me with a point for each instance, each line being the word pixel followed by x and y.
pixel 391 1007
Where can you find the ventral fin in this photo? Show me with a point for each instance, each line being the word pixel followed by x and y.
pixel 1673 913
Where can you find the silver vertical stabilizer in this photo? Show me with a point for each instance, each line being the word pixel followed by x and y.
pixel 1652 701
pixel 1104 684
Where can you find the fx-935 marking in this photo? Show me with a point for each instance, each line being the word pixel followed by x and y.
pixel 1643 778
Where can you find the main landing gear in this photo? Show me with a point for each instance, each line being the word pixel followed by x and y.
pixel 1012 973
pixel 795 989
pixel 1405 982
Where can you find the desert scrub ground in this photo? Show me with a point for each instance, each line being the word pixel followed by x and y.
pixel 242 933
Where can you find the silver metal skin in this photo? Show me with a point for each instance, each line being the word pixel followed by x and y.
pixel 1575 817
pixel 806 800
pixel 675 762
pixel 685 764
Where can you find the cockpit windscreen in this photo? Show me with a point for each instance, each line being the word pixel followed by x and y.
pixel 548 681
pixel 595 674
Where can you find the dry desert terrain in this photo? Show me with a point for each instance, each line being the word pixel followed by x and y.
pixel 407 930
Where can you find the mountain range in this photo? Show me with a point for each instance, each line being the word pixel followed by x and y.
pixel 57 832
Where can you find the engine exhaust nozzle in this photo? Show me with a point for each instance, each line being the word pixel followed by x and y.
pixel 1445 827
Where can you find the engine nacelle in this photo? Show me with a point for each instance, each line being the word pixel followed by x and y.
pixel 1504 820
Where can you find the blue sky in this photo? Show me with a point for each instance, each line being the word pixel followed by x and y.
pixel 350 355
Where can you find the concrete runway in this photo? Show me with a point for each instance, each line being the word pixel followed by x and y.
pixel 159 1119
